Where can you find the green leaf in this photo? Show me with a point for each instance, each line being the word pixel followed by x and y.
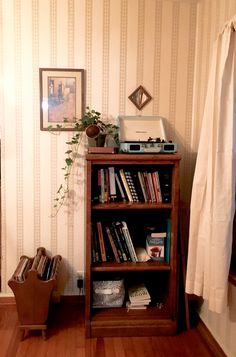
pixel 69 161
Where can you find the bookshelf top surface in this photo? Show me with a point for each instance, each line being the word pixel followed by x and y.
pixel 138 158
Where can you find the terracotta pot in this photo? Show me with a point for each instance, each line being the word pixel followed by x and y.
pixel 92 131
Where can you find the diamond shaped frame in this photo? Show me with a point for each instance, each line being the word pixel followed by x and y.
pixel 140 97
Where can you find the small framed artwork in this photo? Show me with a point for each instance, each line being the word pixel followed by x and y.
pixel 140 97
pixel 62 98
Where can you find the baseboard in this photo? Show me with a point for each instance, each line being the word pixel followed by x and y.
pixel 209 339
pixel 64 299
pixel 72 299
pixel 7 300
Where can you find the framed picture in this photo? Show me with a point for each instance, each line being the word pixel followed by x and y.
pixel 61 98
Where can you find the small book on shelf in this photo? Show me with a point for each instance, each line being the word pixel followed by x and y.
pixel 155 247
pixel 112 183
pixel 137 185
pixel 157 187
pixel 131 186
pixel 101 242
pixel 138 292
pixel 120 188
pixel 129 241
pixel 143 185
pixel 113 245
pixel 96 255
pixel 125 184
pixel 117 242
pixel 139 297
pixel 118 229
pixel 168 240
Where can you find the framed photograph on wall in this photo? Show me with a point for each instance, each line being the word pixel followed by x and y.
pixel 61 98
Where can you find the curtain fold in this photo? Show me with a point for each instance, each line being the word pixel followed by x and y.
pixel 213 194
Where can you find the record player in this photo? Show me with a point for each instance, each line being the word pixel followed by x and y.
pixel 144 135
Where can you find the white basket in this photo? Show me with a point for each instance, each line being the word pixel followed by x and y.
pixel 108 293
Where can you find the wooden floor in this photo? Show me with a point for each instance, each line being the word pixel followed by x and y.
pixel 66 338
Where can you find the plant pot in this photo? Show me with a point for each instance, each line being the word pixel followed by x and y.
pixel 98 141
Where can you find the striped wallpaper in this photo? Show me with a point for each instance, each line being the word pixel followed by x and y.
pixel 164 45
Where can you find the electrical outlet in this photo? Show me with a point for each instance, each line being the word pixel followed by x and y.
pixel 80 275
pixel 80 282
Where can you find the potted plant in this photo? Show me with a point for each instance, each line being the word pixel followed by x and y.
pixel 98 133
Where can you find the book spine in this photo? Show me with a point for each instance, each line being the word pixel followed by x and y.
pixel 106 186
pixel 120 188
pixel 95 187
pixel 96 246
pixel 129 241
pixel 112 183
pixel 131 185
pixel 123 178
pixel 112 243
pixel 99 186
pixel 165 183
pixel 157 187
pixel 151 187
pixel 142 184
pixel 138 186
pixel 102 200
pixel 101 242
pixel 145 176
pixel 119 241
pixel 118 226
pixel 168 240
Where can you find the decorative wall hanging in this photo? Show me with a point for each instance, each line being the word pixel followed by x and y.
pixel 140 97
pixel 61 98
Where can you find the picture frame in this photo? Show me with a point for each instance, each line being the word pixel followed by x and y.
pixel 140 97
pixel 62 98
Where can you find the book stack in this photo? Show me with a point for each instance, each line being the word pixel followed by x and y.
pixel 139 297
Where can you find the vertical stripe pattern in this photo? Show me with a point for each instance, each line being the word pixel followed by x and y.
pixel 18 116
pixel 105 57
pixel 53 138
pixel 36 168
pixel 123 56
pixel 173 70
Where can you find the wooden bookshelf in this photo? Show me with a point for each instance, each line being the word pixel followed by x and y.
pixel 160 275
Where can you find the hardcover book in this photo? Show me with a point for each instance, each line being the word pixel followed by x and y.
pixel 155 248
pixel 113 245
pixel 101 242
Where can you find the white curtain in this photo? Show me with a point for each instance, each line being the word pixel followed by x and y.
pixel 213 193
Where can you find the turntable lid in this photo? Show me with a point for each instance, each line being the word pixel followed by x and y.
pixel 140 128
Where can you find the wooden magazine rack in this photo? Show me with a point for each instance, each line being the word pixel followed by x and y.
pixel 32 292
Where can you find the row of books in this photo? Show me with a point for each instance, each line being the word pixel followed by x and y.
pixel 112 242
pixel 119 184
pixel 46 267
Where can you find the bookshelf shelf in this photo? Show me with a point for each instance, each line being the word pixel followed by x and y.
pixel 147 266
pixel 160 277
pixel 130 206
